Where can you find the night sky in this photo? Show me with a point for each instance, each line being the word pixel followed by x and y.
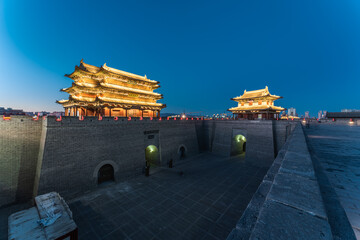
pixel 202 52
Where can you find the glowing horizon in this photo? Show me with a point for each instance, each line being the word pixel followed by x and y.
pixel 203 53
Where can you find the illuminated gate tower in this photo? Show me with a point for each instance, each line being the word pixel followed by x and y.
pixel 108 91
pixel 258 104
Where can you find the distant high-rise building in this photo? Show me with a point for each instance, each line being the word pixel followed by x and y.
pixel 291 111
pixel 324 114
pixel 307 115
pixel 319 114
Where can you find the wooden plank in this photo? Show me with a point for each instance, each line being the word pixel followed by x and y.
pixel 52 202
pixel 24 225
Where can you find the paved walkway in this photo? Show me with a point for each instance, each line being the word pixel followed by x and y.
pixel 204 203
pixel 338 149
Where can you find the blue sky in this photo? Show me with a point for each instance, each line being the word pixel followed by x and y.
pixel 202 52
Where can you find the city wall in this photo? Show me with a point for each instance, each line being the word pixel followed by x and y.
pixel 19 150
pixel 288 203
pixel 264 138
pixel 75 150
pixel 65 156
pixel 339 121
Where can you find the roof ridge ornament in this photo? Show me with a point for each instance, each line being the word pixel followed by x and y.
pixel 104 65
pixel 145 76
pixel 82 60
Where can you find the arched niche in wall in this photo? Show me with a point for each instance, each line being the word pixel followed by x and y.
pixel 105 171
pixel 182 151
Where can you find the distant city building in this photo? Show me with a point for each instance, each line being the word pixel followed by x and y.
pixel 10 111
pixel 291 114
pixel 307 115
pixel 291 111
pixel 57 114
pixel 350 117
pixel 42 113
pixel 319 114
pixel 168 114
pixel 350 110
pixel 258 104
pixel 324 114
pixel 220 115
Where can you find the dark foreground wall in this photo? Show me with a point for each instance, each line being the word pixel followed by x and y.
pixel 75 150
pixel 65 156
pixel 19 149
pixel 288 203
pixel 259 139
pixel 264 138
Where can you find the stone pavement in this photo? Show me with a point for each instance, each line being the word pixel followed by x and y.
pixel 288 204
pixel 338 150
pixel 203 203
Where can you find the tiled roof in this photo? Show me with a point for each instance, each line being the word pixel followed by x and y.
pixel 256 94
pixel 93 69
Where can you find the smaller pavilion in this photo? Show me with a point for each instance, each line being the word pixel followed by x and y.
pixel 257 104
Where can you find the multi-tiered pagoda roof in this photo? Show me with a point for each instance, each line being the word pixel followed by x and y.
pixel 102 90
pixel 253 103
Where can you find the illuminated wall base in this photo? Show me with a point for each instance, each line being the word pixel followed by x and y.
pixel 110 112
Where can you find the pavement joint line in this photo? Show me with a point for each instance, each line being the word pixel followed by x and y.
pixel 230 205
pixel 112 232
pixel 226 184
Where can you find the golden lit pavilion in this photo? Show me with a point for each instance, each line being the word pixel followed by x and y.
pixel 258 104
pixel 106 91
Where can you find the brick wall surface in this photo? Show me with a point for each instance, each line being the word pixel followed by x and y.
pixel 65 156
pixel 74 150
pixel 19 147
